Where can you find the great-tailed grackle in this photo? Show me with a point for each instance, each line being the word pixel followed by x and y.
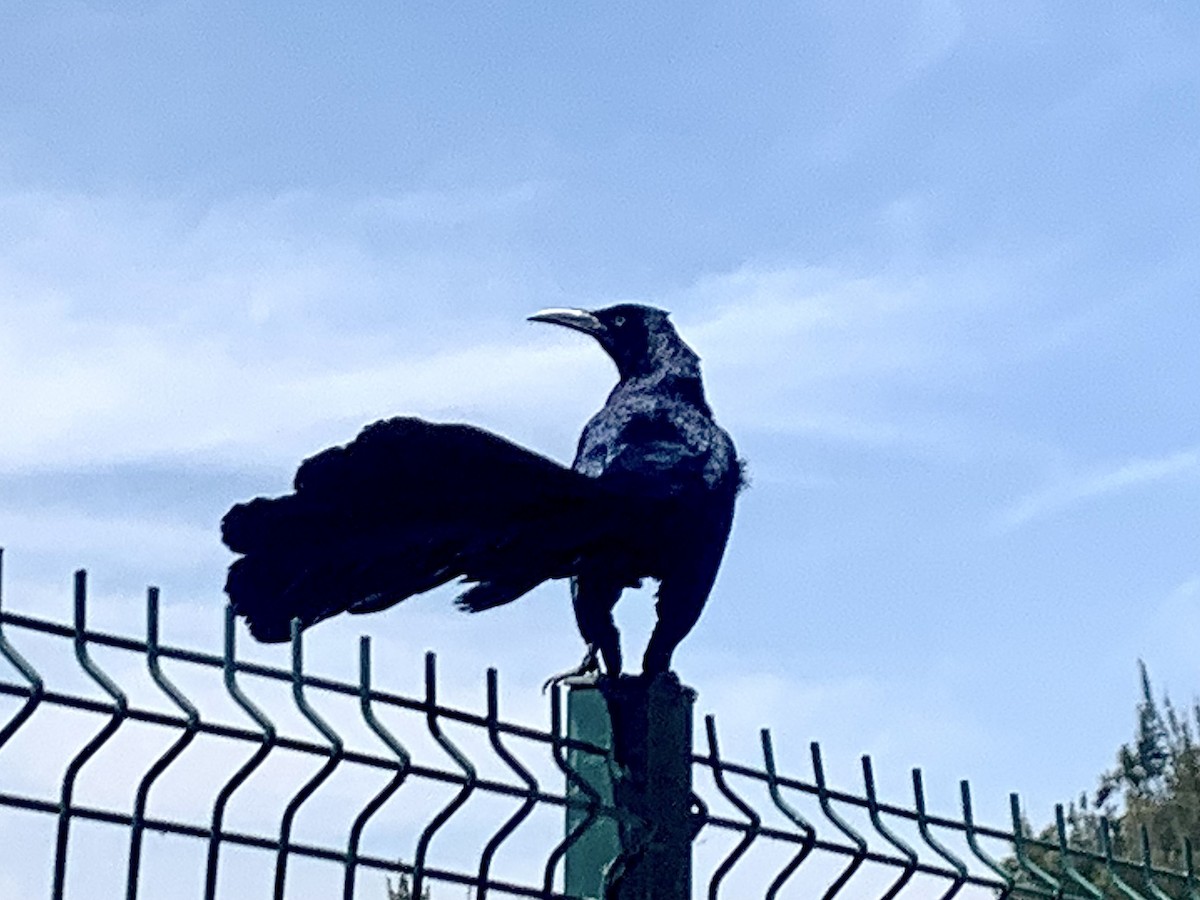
pixel 410 504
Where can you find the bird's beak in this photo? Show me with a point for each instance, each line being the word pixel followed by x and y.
pixel 578 319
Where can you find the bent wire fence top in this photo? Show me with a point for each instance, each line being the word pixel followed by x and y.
pixel 135 785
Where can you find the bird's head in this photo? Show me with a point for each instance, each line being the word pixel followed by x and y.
pixel 640 339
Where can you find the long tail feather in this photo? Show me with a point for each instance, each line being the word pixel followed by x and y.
pixel 407 506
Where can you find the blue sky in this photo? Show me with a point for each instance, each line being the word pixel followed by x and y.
pixel 939 259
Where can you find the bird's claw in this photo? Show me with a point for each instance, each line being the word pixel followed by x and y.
pixel 589 669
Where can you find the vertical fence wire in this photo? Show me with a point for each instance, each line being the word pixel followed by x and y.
pixel 403 766
pixel 753 819
pixel 120 706
pixel 910 856
pixel 36 688
pixel 335 750
pixel 509 825
pixel 923 826
pixel 192 722
pixel 809 839
pixel 266 745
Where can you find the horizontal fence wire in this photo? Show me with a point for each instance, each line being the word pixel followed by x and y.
pixel 786 836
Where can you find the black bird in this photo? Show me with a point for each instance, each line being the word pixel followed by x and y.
pixel 409 505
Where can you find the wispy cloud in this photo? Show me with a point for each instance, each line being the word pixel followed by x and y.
pixel 101 393
pixel 825 353
pixel 1098 483
pixel 128 331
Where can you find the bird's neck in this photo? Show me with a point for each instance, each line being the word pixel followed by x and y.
pixel 674 371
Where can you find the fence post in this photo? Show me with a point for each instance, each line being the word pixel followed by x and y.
pixel 648 725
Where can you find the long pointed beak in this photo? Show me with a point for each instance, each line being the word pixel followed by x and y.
pixel 577 319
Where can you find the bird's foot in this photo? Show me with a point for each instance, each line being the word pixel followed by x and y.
pixel 587 671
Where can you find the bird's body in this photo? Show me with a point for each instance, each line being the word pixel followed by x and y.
pixel 655 438
pixel 410 504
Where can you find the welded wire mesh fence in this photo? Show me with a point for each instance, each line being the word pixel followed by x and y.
pixel 142 786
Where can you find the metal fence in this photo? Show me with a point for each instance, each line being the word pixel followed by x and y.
pixel 758 831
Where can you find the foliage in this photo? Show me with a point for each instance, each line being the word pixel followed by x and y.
pixel 1150 800
pixel 403 890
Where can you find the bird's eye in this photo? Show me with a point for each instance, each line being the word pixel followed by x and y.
pixel 619 321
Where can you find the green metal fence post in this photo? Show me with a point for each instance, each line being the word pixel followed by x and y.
pixel 594 851
pixel 647 724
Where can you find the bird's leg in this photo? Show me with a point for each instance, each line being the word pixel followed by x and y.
pixel 589 666
pixel 680 600
pixel 593 598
